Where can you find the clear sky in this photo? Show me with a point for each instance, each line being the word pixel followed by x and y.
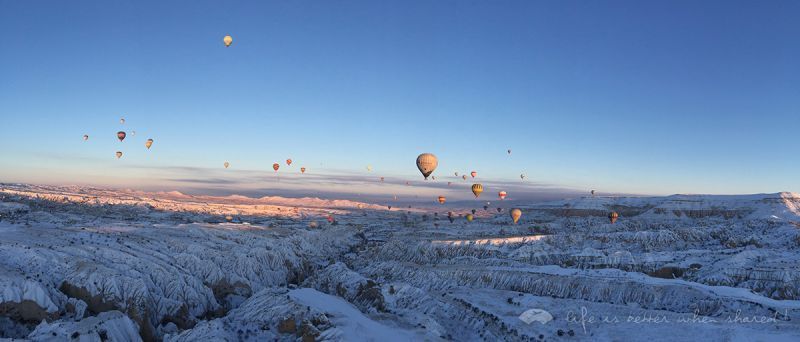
pixel 646 97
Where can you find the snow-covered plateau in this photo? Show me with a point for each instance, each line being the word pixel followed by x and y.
pixel 86 264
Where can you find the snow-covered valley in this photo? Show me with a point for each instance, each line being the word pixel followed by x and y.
pixel 97 264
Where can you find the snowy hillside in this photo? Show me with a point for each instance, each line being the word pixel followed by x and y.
pixel 98 264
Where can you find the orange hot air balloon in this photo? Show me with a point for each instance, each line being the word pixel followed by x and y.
pixel 442 199
pixel 477 189
pixel 516 214
pixel 302 170
pixel 276 166
pixel 227 40
pixel 613 216
pixel 121 135
pixel 502 195
pixel 289 162
pixel 148 143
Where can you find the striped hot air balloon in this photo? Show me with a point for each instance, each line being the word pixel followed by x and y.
pixel 502 195
pixel 477 189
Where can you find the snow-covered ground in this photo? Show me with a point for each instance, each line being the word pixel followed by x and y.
pixel 98 264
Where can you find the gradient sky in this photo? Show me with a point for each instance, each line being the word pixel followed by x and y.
pixel 645 97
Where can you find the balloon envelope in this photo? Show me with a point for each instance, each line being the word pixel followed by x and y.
pixel 516 214
pixel 502 195
pixel 477 189
pixel 228 40
pixel 473 173
pixel 85 137
pixel 442 199
pixel 226 164
pixel 613 216
pixel 119 154
pixel 121 135
pixel 289 162
pixel 427 163
pixel 276 166
pixel 470 217
pixel 302 170
pixel 148 143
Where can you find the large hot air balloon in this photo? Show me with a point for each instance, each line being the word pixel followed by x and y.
pixel 477 189
pixel 502 195
pixel 276 166
pixel 119 154
pixel 228 40
pixel 121 135
pixel 613 216
pixel 302 170
pixel 442 199
pixel 516 214
pixel 470 217
pixel 85 137
pixel 289 162
pixel 226 164
pixel 473 173
pixel 148 143
pixel 426 163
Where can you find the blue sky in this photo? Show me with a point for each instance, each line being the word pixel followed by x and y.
pixel 646 97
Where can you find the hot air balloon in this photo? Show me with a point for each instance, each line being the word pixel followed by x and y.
pixel 226 164
pixel 592 192
pixel 442 199
pixel 389 206
pixel 369 168
pixel 302 170
pixel 289 162
pixel 613 216
pixel 450 216
pixel 427 163
pixel 330 219
pixel 449 183
pixel 85 137
pixel 229 218
pixel 121 135
pixel 516 214
pixel 499 210
pixel 276 166
pixel 509 151
pixel 464 177
pixel 122 121
pixel 148 143
pixel 119 154
pixel 433 177
pixel 502 195
pixel 473 211
pixel 470 217
pixel 477 189
pixel 456 173
pixel 133 133
pixel 381 179
pixel 227 40
pixel 473 173
pixel 485 207
pixel 522 176
pixel 407 183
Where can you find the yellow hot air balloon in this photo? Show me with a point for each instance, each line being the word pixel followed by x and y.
pixel 148 143
pixel 228 40
pixel 442 199
pixel 369 168
pixel 477 189
pixel 516 214
pixel 427 163
pixel 119 154
pixel 470 217
pixel 226 164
